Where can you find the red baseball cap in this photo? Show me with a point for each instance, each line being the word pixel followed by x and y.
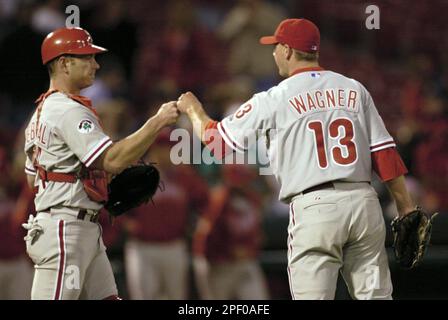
pixel 299 34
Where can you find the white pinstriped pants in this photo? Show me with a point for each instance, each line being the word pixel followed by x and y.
pixel 340 230
pixel 70 260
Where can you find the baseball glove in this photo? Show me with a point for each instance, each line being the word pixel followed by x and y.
pixel 412 234
pixel 131 188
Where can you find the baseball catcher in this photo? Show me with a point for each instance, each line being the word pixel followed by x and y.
pixel 412 234
pixel 131 188
pixel 69 167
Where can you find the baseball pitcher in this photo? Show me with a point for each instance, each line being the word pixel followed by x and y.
pixel 324 137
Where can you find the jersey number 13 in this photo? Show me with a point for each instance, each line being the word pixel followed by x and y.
pixel 344 153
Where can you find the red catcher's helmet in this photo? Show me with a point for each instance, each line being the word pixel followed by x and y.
pixel 68 41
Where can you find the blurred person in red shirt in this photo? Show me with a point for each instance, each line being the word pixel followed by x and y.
pixel 16 272
pixel 180 55
pixel 228 238
pixel 156 250
pixel 431 153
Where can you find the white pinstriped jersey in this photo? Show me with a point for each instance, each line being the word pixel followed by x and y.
pixel 69 135
pixel 319 125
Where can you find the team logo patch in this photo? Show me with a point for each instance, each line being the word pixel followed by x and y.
pixel 86 126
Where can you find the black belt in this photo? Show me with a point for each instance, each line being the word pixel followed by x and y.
pixel 82 214
pixel 326 185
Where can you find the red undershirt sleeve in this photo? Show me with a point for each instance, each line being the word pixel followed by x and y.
pixel 388 164
pixel 215 142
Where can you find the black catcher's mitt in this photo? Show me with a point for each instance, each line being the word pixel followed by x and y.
pixel 412 234
pixel 131 188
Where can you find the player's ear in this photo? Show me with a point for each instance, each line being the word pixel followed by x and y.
pixel 63 62
pixel 288 52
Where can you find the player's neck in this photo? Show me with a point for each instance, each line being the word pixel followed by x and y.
pixel 296 65
pixel 63 86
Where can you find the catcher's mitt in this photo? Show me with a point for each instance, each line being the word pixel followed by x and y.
pixel 412 234
pixel 131 188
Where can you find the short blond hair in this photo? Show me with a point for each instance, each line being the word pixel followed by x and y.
pixel 51 67
pixel 306 56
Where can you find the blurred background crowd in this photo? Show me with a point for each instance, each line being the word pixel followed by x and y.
pixel 219 232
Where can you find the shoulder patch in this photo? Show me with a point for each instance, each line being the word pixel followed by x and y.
pixel 86 126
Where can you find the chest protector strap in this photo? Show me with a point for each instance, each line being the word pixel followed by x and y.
pixel 94 181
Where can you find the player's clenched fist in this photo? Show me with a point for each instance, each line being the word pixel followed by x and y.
pixel 188 101
pixel 168 113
